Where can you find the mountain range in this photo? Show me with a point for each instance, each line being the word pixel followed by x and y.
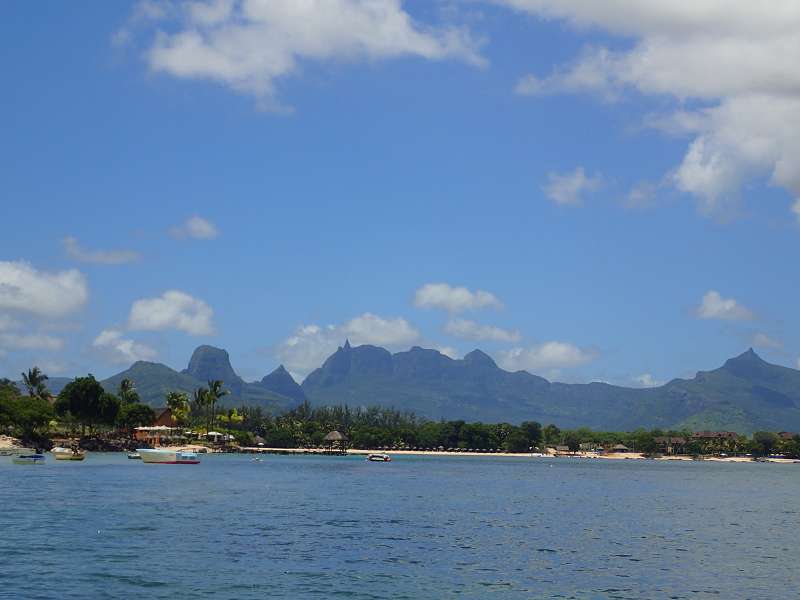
pixel 744 395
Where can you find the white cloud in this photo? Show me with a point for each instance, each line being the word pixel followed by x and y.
pixel 372 329
pixel 196 228
pixel 102 257
pixel 714 306
pixel 122 350
pixel 647 380
pixel 248 45
pixel 25 289
pixel 737 59
pixel 310 345
pixel 567 189
pixel 762 340
pixel 34 341
pixel 546 356
pixel 454 299
pixel 471 330
pixel 448 351
pixel 172 310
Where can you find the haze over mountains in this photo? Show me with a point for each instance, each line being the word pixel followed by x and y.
pixel 744 395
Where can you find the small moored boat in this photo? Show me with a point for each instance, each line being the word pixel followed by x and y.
pixel 67 453
pixel 28 459
pixel 134 456
pixel 168 457
pixel 379 457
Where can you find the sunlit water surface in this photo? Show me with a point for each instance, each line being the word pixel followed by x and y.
pixel 418 527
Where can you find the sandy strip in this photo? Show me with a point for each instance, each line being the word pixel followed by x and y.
pixel 609 456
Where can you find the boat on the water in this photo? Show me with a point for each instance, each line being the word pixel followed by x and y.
pixel 379 457
pixel 134 456
pixel 168 457
pixel 60 453
pixel 28 459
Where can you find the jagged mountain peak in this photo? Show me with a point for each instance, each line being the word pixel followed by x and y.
pixel 209 362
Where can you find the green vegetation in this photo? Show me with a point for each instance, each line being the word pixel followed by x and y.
pixel 84 403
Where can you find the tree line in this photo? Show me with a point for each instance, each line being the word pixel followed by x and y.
pixel 85 405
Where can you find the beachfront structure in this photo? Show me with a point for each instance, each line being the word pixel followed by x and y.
pixel 155 434
pixel 336 442
pixel 620 448
pixel 163 417
pixel 787 435
pixel 671 445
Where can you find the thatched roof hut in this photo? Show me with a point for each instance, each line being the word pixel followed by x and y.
pixel 620 448
pixel 336 442
pixel 335 436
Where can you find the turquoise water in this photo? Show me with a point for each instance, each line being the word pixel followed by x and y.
pixel 418 527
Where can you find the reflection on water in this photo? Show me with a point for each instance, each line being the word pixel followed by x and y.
pixel 417 527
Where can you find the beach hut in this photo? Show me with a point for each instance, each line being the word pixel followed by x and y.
pixel 620 448
pixel 336 442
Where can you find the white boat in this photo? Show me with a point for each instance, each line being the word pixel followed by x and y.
pixel 134 456
pixel 379 458
pixel 60 453
pixel 29 459
pixel 168 457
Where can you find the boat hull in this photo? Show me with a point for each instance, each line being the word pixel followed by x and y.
pixel 167 457
pixel 67 454
pixel 30 459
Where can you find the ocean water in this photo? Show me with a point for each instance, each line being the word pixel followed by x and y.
pixel 418 527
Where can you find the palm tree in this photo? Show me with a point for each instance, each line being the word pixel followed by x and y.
pixel 200 400
pixel 34 380
pixel 215 392
pixel 127 392
pixel 178 404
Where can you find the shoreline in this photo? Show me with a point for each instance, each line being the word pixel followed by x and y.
pixel 578 455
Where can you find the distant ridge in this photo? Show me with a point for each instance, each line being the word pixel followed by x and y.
pixel 745 394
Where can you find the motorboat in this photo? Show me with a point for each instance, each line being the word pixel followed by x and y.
pixel 374 457
pixel 168 457
pixel 29 459
pixel 60 453
pixel 134 456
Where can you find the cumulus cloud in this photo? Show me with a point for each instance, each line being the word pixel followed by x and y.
pixel 121 350
pixel 33 341
pixel 172 310
pixel 43 294
pixel 310 345
pixel 546 356
pixel 714 306
pixel 470 330
pixel 647 380
pixel 249 45
pixel 454 299
pixel 100 257
pixel 568 189
pixel 196 228
pixel 736 60
pixel 762 340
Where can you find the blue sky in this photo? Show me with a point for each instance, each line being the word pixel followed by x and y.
pixel 614 185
